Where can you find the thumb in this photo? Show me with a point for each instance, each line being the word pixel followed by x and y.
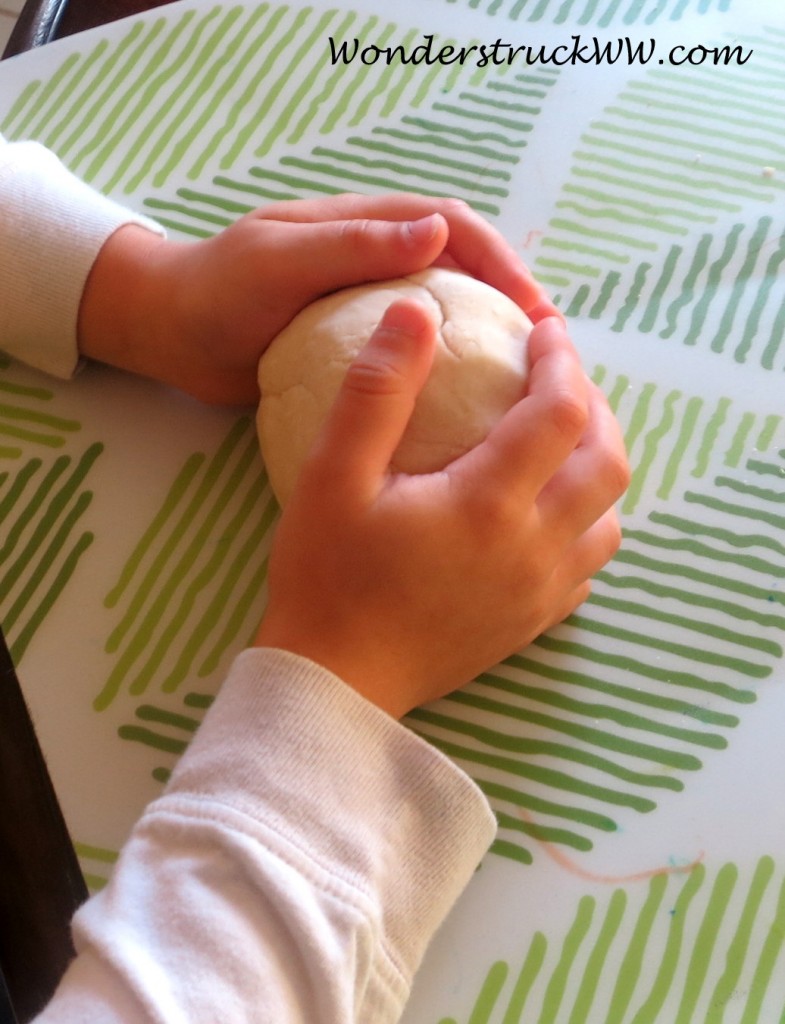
pixel 376 400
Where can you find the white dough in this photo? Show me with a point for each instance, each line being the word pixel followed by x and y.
pixel 478 373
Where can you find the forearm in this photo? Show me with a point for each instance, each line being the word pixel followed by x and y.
pixel 52 228
pixel 275 879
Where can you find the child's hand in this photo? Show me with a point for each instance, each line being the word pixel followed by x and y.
pixel 409 586
pixel 199 315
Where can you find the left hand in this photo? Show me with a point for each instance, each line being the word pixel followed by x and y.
pixel 199 315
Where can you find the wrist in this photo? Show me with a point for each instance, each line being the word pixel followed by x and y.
pixel 362 673
pixel 123 304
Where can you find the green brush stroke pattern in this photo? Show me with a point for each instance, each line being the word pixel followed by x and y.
pixel 42 508
pixel 209 536
pixel 705 937
pixel 672 153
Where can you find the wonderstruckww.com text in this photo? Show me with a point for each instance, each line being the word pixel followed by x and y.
pixel 579 50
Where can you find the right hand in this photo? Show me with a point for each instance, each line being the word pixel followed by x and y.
pixel 407 587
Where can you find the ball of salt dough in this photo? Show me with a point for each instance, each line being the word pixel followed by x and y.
pixel 479 370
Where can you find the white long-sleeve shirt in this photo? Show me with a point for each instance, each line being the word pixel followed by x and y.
pixel 307 846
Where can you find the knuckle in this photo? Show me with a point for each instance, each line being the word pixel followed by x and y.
pixel 611 538
pixel 573 601
pixel 493 517
pixel 615 536
pixel 539 570
pixel 550 607
pixel 374 377
pixel 617 473
pixel 618 531
pixel 568 415
pixel 460 206
pixel 358 234
pixel 582 594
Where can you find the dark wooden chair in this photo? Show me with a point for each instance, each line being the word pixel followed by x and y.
pixel 41 883
pixel 41 21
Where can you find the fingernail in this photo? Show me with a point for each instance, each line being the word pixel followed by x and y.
pixel 545 310
pixel 424 229
pixel 403 318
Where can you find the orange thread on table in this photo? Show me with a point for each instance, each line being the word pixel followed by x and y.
pixel 566 862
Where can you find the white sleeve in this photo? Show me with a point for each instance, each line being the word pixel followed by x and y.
pixel 52 227
pixel 304 853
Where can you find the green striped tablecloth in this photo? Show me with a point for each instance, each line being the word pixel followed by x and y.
pixel 633 755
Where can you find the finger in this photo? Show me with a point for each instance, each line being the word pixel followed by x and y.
pixel 594 476
pixel 543 308
pixel 568 605
pixel 352 206
pixel 527 447
pixel 356 251
pixel 375 402
pixel 473 244
pixel 581 562
pixel 590 552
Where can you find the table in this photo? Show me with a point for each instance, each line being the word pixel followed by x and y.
pixel 633 755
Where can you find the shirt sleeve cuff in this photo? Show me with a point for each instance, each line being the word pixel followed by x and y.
pixel 52 228
pixel 291 745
